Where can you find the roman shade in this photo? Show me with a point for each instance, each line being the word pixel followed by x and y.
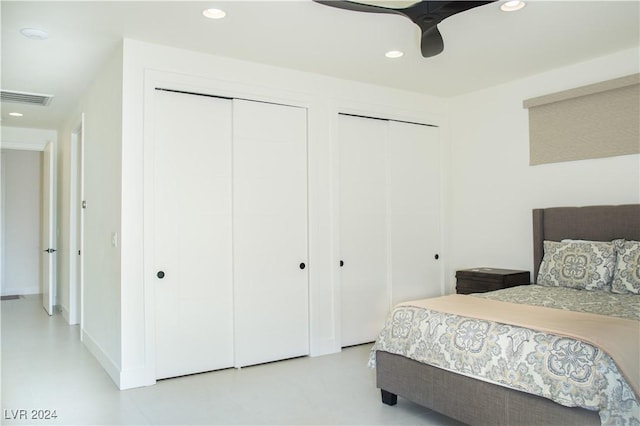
pixel 594 121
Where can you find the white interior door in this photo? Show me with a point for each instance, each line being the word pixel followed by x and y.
pixel 48 279
pixel 363 228
pixel 192 231
pixel 413 158
pixel 270 232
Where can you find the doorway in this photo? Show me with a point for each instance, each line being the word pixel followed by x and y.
pixel 28 206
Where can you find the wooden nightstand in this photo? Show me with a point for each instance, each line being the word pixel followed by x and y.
pixel 480 280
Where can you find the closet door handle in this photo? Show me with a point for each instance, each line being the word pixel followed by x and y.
pixel 341 263
pixel 160 274
pixel 302 266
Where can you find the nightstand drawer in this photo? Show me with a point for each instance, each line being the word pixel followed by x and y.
pixel 480 280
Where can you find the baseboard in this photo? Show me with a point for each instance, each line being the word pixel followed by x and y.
pixel 123 379
pixel 105 361
pixel 22 291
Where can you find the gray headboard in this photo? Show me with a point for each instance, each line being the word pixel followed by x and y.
pixel 594 223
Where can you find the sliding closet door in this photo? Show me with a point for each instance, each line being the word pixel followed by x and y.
pixel 414 182
pixel 192 231
pixel 270 232
pixel 363 228
pixel 389 220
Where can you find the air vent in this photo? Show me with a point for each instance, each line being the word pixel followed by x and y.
pixel 25 98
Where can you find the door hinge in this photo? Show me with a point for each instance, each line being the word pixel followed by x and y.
pixel 84 204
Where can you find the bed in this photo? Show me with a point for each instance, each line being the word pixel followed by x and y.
pixel 465 396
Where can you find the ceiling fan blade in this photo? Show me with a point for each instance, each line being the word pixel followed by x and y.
pixel 359 7
pixel 428 14
pixel 431 43
pixel 439 10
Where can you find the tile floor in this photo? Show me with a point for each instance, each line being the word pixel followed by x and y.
pixel 45 367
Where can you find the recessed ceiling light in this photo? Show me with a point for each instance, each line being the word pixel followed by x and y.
pixel 214 13
pixel 34 33
pixel 16 114
pixel 512 6
pixel 393 54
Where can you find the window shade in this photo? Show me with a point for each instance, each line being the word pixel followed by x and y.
pixel 595 121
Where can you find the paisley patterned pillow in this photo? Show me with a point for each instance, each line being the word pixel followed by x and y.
pixel 626 276
pixel 584 265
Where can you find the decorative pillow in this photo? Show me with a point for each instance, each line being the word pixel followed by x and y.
pixel 626 276
pixel 584 265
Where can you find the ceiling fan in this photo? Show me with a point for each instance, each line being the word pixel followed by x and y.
pixel 426 14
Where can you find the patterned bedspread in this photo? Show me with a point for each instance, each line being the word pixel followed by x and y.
pixel 570 372
pixel 594 302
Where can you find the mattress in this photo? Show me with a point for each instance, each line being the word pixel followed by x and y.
pixel 569 371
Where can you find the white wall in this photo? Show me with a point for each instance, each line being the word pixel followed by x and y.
pixel 146 64
pixel 21 220
pixel 102 106
pixel 491 187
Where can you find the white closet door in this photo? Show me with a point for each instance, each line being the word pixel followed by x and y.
pixel 414 211
pixel 270 232
pixel 192 230
pixel 363 228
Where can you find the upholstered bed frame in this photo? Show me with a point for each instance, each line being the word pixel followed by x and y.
pixel 480 403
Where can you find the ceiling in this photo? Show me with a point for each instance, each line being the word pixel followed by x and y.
pixel 483 46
